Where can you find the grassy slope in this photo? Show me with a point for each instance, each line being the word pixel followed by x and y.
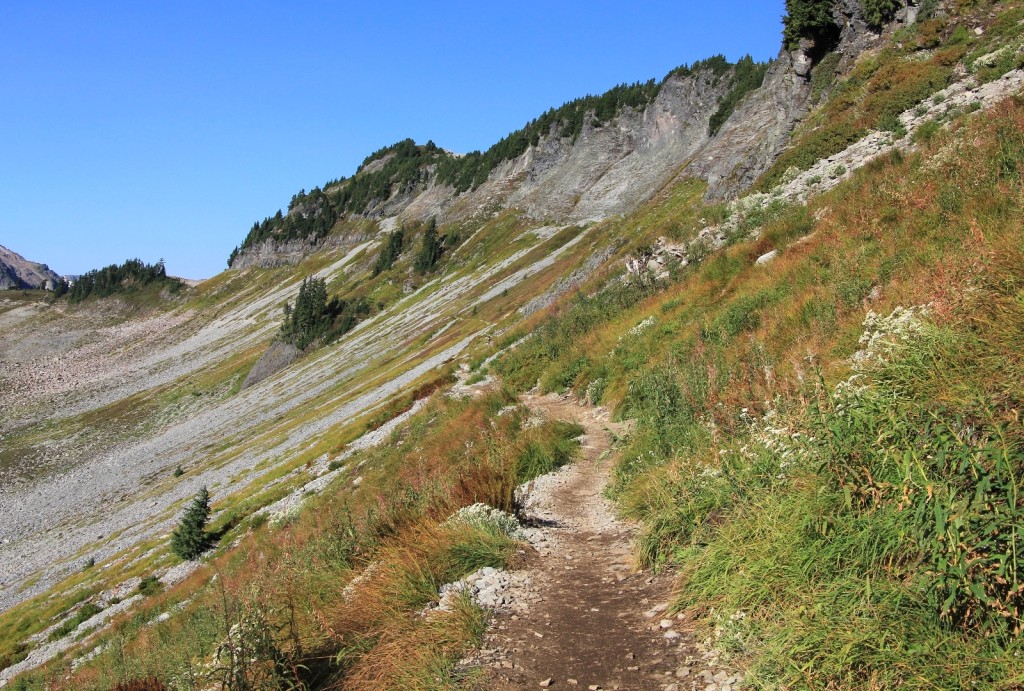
pixel 286 587
pixel 830 563
pixel 232 291
pixel 799 527
pixel 830 538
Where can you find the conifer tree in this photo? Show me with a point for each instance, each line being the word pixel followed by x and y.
pixel 391 251
pixel 811 19
pixel 430 250
pixel 189 539
pixel 308 319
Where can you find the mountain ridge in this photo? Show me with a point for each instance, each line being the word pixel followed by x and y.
pixel 736 333
pixel 599 156
pixel 16 272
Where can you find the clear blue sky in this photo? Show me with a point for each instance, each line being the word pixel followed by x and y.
pixel 165 129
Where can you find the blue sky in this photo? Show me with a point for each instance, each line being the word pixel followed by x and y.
pixel 163 130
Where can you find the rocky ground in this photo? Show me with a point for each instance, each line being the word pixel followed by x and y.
pixel 103 494
pixel 964 96
pixel 579 614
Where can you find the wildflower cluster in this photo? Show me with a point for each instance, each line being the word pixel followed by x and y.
pixel 487 518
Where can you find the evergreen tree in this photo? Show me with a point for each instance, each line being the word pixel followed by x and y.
pixel 747 75
pixel 134 273
pixel 189 539
pixel 811 19
pixel 391 251
pixel 430 250
pixel 878 12
pixel 309 318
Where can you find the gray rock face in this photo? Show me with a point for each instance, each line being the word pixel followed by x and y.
pixel 760 128
pixel 16 272
pixel 856 36
pixel 755 134
pixel 271 253
pixel 611 169
pixel 278 356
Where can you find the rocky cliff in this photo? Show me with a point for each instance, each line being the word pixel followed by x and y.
pixel 610 167
pixel 608 170
pixel 16 272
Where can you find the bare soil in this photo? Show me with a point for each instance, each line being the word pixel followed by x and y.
pixel 592 620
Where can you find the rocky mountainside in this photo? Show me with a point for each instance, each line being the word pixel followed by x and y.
pixel 18 272
pixel 697 274
pixel 609 167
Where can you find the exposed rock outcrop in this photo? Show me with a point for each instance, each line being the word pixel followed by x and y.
pixel 278 356
pixel 611 167
pixel 17 272
pixel 271 252
pixel 759 129
pixel 751 140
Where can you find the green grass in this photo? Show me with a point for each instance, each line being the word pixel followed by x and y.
pixel 86 611
pixel 876 548
pixel 547 450
pixel 286 587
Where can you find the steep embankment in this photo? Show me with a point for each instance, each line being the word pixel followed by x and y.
pixel 592 158
pixel 584 168
pixel 225 440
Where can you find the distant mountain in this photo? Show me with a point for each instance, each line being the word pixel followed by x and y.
pixel 16 272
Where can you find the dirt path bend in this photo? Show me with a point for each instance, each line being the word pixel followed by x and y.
pixel 584 617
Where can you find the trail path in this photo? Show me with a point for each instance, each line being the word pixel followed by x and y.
pixel 585 617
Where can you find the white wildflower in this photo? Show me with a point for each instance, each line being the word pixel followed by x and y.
pixel 488 518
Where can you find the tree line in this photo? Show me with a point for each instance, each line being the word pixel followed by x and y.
pixel 115 278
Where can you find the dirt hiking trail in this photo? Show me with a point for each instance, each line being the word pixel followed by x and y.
pixel 585 617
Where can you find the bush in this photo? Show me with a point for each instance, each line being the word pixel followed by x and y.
pixel 150 585
pixel 926 131
pixel 84 613
pixel 391 251
pixel 878 12
pixel 488 519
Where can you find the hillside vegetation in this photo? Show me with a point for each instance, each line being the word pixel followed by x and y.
pixel 828 451
pixel 132 275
